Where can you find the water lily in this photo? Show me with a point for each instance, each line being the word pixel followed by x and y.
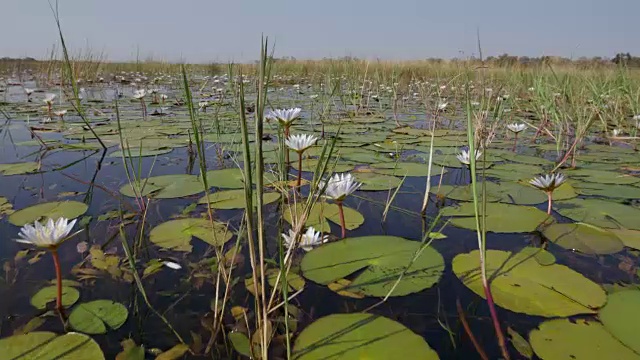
pixel 49 237
pixel 154 94
pixel 163 98
pixel 203 105
pixel 548 183
pixel 463 157
pixel 310 239
pixel 28 92
pixel 60 114
pixel 140 94
pixel 285 117
pixel 300 143
pixel 48 99
pixel 337 188
pixel 516 129
pixel 442 106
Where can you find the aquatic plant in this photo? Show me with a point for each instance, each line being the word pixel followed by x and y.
pixel 337 188
pixel 516 129
pixel 300 143
pixel 139 95
pixel 548 183
pixel 464 156
pixel 49 237
pixel 48 99
pixel 308 240
pixel 60 114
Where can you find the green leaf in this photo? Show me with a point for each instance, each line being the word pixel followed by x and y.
pixel 176 234
pixel 5 207
pixel 406 169
pixel 601 213
pixel 360 336
pixel 235 199
pixel 630 238
pixel 372 181
pixel 585 238
pixel 602 177
pixel 95 316
pixel 43 345
pixel 174 353
pixel 520 284
pixel 19 168
pixel 166 186
pixel 620 316
pixel 48 294
pixel 521 344
pixel 232 178
pixel 240 343
pixel 580 339
pixel 50 210
pixel 500 218
pixel 130 351
pixel 378 260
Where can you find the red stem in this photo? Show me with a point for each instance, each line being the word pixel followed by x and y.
pixel 494 318
pixel 549 196
pixel 515 142
pixel 286 154
pixel 299 167
pixel 56 263
pixel 341 211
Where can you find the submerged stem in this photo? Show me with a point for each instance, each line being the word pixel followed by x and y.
pixel 549 197
pixel 299 168
pixel 56 264
pixel 515 142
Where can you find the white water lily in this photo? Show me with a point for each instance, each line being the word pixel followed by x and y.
pixel 284 116
pixel 617 132
pixel 48 99
pixel 139 94
pixel 516 128
pixel 28 91
pixel 548 182
pixel 203 105
pixel 463 157
pixel 308 240
pixel 442 106
pixel 301 142
pixel 60 113
pixel 339 186
pixel 46 236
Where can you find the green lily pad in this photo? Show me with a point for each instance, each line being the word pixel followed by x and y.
pixel 601 213
pixel 95 316
pixel 166 186
pixel 621 318
pixel 609 190
pixel 363 156
pixel 630 238
pixel 231 178
pixel 406 169
pixel 320 212
pixel 311 164
pixel 136 152
pixel 513 172
pixel 378 261
pixel 360 336
pixel 520 284
pixel 501 218
pixel 525 159
pixel 234 199
pixel 48 294
pixel 51 210
pixel 372 181
pixel 176 234
pixel 44 345
pixel 580 339
pixel 19 168
pixel 585 238
pixel 5 207
pixel 602 177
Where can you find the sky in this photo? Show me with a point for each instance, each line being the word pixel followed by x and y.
pixel 216 30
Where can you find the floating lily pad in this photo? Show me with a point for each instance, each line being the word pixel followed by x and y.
pixel 136 152
pixel 44 345
pixel 51 210
pixel 501 218
pixel 585 238
pixel 320 212
pixel 166 186
pixel 525 159
pixel 602 177
pixel 513 172
pixel 360 336
pixel 406 169
pixel 609 190
pixel 19 168
pixel 48 294
pixel 372 181
pixel 621 318
pixel 520 284
pixel 176 234
pixel 378 261
pixel 601 213
pixel 234 199
pixel 232 178
pixel 96 317
pixel 580 339
pixel 311 164
pixel 5 207
pixel 630 238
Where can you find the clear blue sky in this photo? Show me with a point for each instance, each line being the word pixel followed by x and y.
pixel 219 30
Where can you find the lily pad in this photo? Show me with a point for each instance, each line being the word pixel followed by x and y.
pixel 167 186
pixel 621 318
pixel 176 234
pixel 406 169
pixel 379 261
pixel 580 339
pixel 48 294
pixel 44 345
pixel 520 284
pixel 19 168
pixel 51 210
pixel 513 172
pixel 232 178
pixel 585 238
pixel 137 153
pixel 5 207
pixel 320 212
pixel 500 218
pixel 234 199
pixel 97 316
pixel 360 336
pixel 372 181
pixel 609 190
pixel 630 238
pixel 602 177
pixel 601 213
